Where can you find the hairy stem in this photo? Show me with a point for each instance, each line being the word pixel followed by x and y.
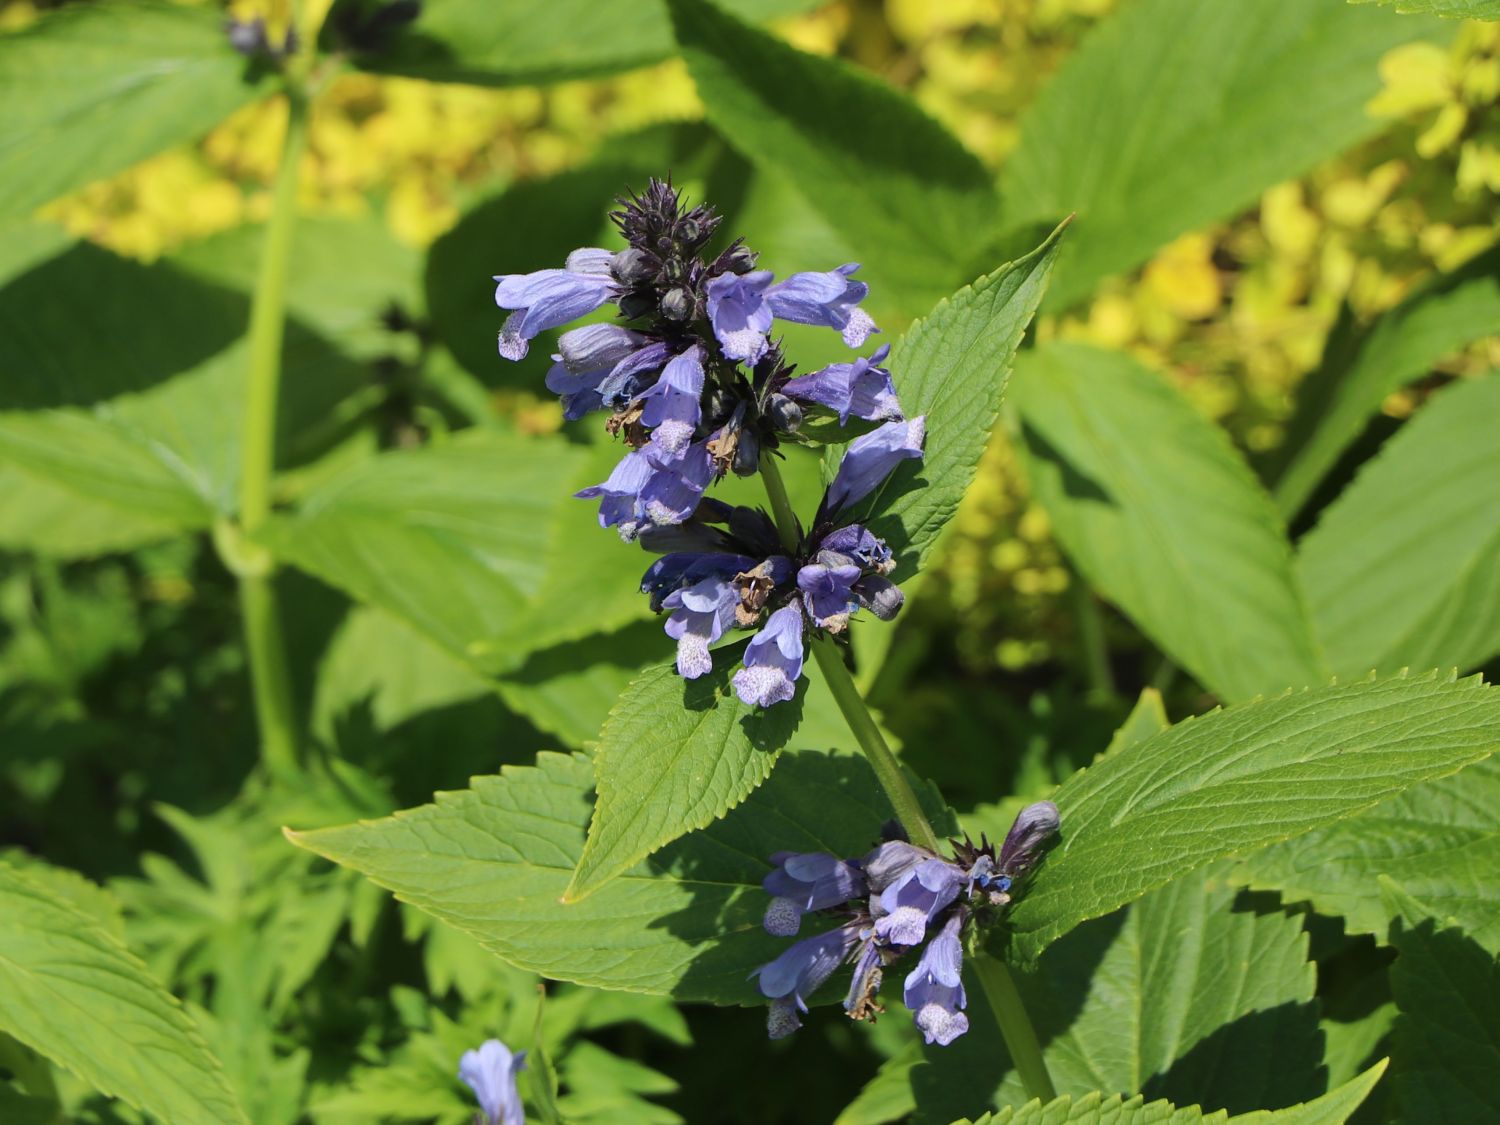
pixel 1015 1025
pixel 995 979
pixel 274 710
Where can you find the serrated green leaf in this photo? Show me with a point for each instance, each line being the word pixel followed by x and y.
pixel 72 992
pixel 1333 1108
pixel 454 538
pixel 952 367
pixel 494 861
pixel 1447 1035
pixel 1179 997
pixel 132 415
pixel 1164 518
pixel 1450 9
pixel 64 883
pixel 913 201
pixel 518 42
pixel 1403 570
pixel 1149 135
pixel 1241 778
pixel 91 89
pixel 1439 840
pixel 1360 368
pixel 675 755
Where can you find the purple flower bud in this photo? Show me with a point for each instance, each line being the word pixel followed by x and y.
pixel 803 967
pixel 597 346
pixel 828 299
pixel 739 314
pixel 804 882
pixel 880 596
pixel 890 862
pixel 672 407
pixel 632 266
pixel 491 1073
pixel 785 414
pixel 870 459
pixel 906 906
pixel 1033 826
pixel 857 544
pixel 828 593
pixel 677 304
pixel 773 660
pixel 548 298
pixel 862 389
pixel 934 990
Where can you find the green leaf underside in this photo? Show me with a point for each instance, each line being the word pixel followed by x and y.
pixel 1439 840
pixel 1164 518
pixel 92 89
pixel 952 367
pixel 1147 135
pixel 131 416
pixel 1242 778
pixel 1403 569
pixel 915 204
pixel 1178 997
pixel 674 756
pixel 520 42
pixel 72 992
pixel 1447 1035
pixel 1359 369
pixel 494 861
pixel 1333 1108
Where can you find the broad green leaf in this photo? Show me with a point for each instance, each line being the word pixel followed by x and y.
pixel 675 755
pixel 1439 840
pixel 1403 569
pixel 1453 9
pixel 1179 996
pixel 494 861
pixel 91 89
pixel 1360 368
pixel 1163 517
pixel 915 204
pixel 55 521
pixel 1333 1108
pixel 1447 1037
pixel 522 43
pixel 64 883
pixel 25 244
pixel 134 414
pixel 1241 778
pixel 476 542
pixel 952 367
pixel 346 275
pixel 1148 133
pixel 72 992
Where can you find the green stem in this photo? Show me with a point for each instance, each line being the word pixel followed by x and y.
pixel 995 979
pixel 274 710
pixel 1015 1026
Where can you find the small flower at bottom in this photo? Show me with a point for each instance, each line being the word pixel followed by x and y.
pixel 773 660
pixel 491 1073
pixel 895 899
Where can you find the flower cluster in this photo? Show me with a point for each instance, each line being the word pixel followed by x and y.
pixel 688 372
pixel 727 567
pixel 895 899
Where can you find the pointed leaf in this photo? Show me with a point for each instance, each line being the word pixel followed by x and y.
pixel 913 201
pixel 1164 518
pixel 494 861
pixel 1403 569
pixel 71 991
pixel 952 367
pixel 92 89
pixel 1147 134
pixel 1241 778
